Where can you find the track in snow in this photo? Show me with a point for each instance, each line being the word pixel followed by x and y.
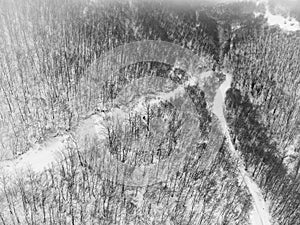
pixel 260 214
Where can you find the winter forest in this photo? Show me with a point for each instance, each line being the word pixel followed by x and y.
pixel 149 112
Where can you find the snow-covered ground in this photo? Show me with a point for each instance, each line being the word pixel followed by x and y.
pixel 260 214
pixel 42 156
pixel 288 24
pixel 38 158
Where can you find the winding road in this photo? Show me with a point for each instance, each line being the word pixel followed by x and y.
pixel 260 214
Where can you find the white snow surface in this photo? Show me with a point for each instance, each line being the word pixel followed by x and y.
pixel 39 158
pixel 288 24
pixel 42 156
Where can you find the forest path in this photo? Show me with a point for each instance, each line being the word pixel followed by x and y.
pixel 260 214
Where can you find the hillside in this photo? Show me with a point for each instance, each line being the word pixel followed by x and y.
pixel 139 112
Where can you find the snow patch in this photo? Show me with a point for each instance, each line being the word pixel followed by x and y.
pixel 288 24
pixel 38 159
